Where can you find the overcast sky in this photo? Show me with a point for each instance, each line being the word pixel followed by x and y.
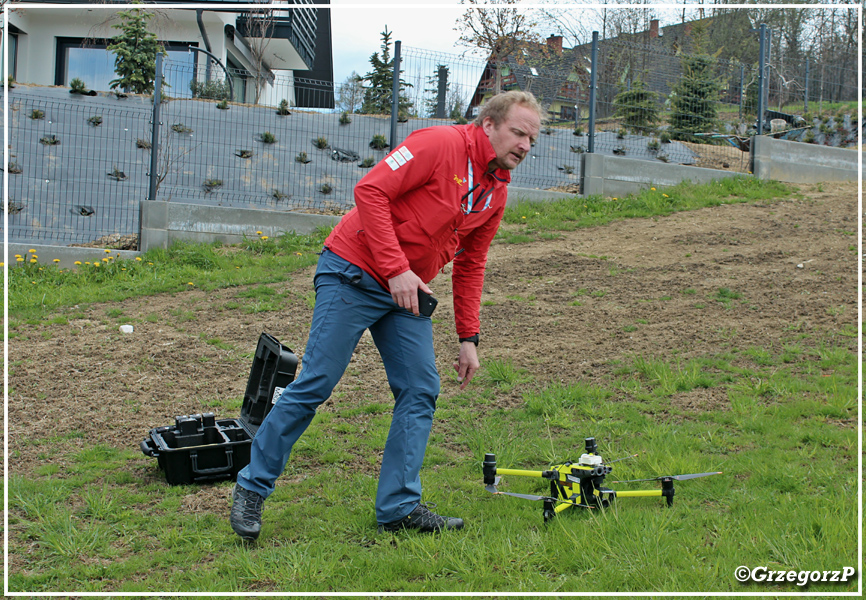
pixel 356 30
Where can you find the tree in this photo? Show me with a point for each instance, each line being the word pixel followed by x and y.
pixel 260 25
pixel 694 98
pixel 377 96
pixel 351 94
pixel 135 50
pixel 499 31
pixel 638 108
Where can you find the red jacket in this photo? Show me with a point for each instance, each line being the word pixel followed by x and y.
pixel 409 214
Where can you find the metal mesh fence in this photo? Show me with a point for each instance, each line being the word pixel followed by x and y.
pixel 75 173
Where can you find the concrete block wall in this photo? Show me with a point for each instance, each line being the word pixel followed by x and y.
pixel 163 223
pixel 796 162
pixel 614 176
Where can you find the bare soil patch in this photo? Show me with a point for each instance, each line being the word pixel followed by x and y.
pixel 565 310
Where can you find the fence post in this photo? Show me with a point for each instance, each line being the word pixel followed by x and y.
pixel 742 87
pixel 442 91
pixel 761 69
pixel 806 92
pixel 593 78
pixel 395 95
pixel 154 136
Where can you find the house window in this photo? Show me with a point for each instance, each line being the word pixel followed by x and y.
pixel 93 63
pixel 239 77
pixel 13 56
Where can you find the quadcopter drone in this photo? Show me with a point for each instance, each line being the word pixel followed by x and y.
pixel 581 484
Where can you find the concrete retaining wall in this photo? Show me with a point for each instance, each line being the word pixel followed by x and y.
pixel 796 162
pixel 615 176
pixel 163 223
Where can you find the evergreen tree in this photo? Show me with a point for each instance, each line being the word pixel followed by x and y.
pixel 377 97
pixel 694 98
pixel 638 108
pixel 135 50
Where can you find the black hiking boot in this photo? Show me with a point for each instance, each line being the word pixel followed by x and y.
pixel 246 514
pixel 423 519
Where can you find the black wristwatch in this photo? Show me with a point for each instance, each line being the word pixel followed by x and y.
pixel 473 339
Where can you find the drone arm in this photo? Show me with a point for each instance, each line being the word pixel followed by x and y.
pixel 522 472
pixel 638 493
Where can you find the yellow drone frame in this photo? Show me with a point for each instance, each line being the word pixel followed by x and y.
pixel 580 484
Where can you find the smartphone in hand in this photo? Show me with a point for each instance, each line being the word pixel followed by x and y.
pixel 426 303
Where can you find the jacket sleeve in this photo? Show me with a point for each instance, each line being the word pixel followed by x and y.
pixel 400 172
pixel 468 274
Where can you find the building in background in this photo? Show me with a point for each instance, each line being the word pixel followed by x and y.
pixel 271 51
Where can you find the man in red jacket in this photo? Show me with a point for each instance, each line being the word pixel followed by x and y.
pixel 439 196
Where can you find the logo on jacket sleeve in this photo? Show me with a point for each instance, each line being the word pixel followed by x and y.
pixel 399 158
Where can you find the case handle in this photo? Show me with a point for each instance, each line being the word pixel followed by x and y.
pixel 147 449
pixel 194 457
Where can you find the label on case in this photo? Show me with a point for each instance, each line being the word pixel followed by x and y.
pixel 278 391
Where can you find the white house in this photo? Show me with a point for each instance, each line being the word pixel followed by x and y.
pixel 55 44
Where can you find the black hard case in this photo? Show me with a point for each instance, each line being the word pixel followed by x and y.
pixel 201 447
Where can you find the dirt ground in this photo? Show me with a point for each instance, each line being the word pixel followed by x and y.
pixel 643 286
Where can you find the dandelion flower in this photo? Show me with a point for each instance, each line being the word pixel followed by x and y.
pixel 138 258
pixel 19 259
pixel 122 268
pixel 32 251
pixel 190 283
pixel 86 262
pixel 522 217
pixel 17 256
pixel 258 233
pixel 77 262
pixel 104 260
pixel 613 198
pixel 57 260
pixel 2 264
pixel 299 253
pixel 264 238
pixel 665 195
pixel 108 251
pixel 652 189
pixel 33 260
pixel 96 264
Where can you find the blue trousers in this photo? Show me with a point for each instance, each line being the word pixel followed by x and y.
pixel 349 301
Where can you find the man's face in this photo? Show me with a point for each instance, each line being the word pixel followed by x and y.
pixel 513 138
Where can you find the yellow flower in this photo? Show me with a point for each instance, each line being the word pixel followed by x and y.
pixel 522 217
pixel 96 264
pixel 138 258
pixel 19 259
pixel 150 263
pixel 17 256
pixel 33 260
pixel 108 251
pixel 665 195
pixel 258 233
pixel 77 262
pixel 104 260
pixel 237 267
pixel 31 251
pixel 264 237
pixel 87 262
pixel 122 269
pixel 34 256
pixel 190 283
pixel 613 198
pixel 652 189
pixel 56 260
pixel 2 264
pixel 299 253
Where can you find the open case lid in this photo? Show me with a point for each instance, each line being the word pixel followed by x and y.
pixel 274 367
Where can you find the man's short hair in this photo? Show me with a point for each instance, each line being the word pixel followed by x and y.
pixel 498 106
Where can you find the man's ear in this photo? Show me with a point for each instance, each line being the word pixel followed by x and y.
pixel 488 125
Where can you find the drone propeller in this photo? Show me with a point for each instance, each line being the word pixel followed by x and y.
pixel 492 489
pixel 674 477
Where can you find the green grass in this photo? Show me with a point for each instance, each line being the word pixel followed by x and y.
pixel 539 218
pixel 781 427
pixel 36 292
pixel 781 501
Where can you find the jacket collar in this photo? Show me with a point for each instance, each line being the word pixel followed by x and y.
pixel 481 152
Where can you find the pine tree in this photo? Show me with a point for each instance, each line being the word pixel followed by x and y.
pixel 135 50
pixel 638 108
pixel 695 97
pixel 377 97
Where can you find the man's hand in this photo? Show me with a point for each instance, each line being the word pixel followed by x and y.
pixel 467 363
pixel 404 290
